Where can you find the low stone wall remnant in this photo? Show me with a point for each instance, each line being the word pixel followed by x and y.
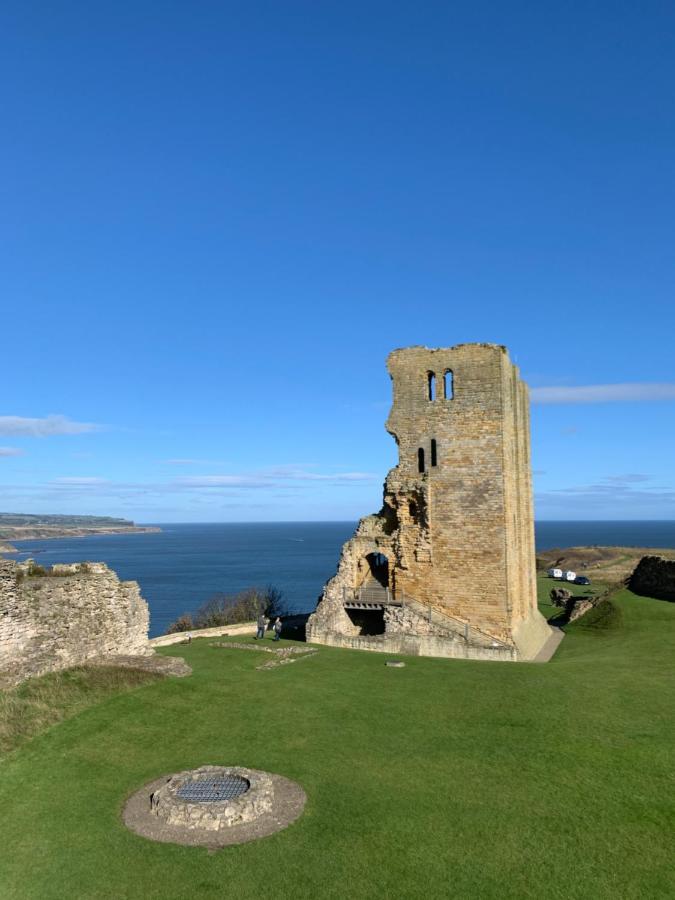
pixel 182 637
pixel 61 617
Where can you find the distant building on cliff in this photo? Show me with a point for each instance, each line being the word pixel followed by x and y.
pixel 447 567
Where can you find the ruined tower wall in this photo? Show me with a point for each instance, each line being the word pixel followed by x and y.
pixel 476 496
pixel 519 526
pixel 60 620
pixel 457 522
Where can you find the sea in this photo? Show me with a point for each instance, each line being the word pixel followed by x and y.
pixel 182 566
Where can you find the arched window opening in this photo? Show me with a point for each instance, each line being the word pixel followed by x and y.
pixel 434 453
pixel 431 386
pixel 420 460
pixel 378 565
pixel 448 386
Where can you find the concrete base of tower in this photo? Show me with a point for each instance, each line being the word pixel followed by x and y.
pixel 531 635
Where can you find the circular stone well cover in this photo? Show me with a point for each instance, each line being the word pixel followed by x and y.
pixel 213 789
pixel 214 806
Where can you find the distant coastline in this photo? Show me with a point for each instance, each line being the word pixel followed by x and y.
pixel 31 527
pixel 45 532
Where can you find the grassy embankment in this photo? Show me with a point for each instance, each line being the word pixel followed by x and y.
pixel 442 779
pixel 39 703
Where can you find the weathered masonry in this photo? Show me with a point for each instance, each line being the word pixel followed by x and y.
pixel 447 567
pixel 66 616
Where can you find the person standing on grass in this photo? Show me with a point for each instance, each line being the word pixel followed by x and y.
pixel 262 622
pixel 277 628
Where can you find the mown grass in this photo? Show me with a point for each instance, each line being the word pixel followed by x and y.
pixel 442 779
pixel 546 584
pixel 32 707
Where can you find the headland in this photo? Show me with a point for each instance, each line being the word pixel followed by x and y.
pixel 28 527
pixel 603 564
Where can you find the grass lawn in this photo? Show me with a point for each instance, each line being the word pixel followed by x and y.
pixel 40 702
pixel 545 584
pixel 443 779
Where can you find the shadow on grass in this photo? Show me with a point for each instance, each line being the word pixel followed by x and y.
pixel 294 627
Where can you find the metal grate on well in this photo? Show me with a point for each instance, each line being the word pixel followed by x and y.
pixel 213 790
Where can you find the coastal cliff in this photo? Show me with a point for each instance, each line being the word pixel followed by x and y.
pixel 44 532
pixel 28 527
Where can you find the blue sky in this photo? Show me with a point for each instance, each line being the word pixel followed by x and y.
pixel 217 219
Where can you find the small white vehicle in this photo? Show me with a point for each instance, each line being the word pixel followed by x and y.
pixel 555 573
pixel 570 576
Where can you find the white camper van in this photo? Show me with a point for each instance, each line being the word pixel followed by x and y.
pixel 570 576
pixel 555 573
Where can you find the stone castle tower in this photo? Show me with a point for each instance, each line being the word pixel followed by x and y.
pixel 447 567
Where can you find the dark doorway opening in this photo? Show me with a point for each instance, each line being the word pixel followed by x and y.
pixel 368 621
pixel 379 568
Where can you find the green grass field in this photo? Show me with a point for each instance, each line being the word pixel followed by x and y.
pixel 442 779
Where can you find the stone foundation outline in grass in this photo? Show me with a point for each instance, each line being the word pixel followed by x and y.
pixel 283 655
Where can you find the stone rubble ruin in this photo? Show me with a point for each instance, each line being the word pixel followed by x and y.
pixel 67 616
pixel 447 567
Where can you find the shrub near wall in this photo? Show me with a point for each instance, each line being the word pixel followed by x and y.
pixel 233 609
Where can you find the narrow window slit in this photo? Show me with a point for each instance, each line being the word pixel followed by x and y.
pixel 434 453
pixel 420 460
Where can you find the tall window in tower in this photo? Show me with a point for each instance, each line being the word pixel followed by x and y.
pixel 431 386
pixel 434 453
pixel 448 387
pixel 420 460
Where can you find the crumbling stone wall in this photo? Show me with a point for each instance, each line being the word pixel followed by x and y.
pixel 574 606
pixel 457 522
pixel 654 577
pixel 61 619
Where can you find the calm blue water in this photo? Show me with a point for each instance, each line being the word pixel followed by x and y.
pixel 183 565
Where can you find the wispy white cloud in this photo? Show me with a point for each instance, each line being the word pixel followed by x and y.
pixel 185 462
pixel 616 496
pixel 10 451
pixel 206 481
pixel 44 427
pixel 192 461
pixel 80 480
pixel 277 481
pixel 628 478
pixel 270 478
pixel 299 473
pixel 631 392
pixel 275 488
